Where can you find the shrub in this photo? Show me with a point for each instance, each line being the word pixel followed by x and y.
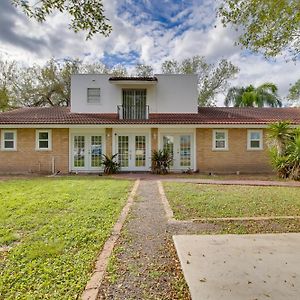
pixel 111 166
pixel 284 144
pixel 161 161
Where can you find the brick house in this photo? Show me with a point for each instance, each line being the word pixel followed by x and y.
pixel 132 117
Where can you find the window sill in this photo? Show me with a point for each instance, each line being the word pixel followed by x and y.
pixel 9 150
pixel 43 150
pixel 220 150
pixel 255 149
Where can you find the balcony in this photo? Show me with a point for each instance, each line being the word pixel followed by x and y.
pixel 133 112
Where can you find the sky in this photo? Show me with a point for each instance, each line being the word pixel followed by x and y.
pixel 144 31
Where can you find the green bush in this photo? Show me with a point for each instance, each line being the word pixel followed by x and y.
pixel 161 161
pixel 284 144
pixel 111 166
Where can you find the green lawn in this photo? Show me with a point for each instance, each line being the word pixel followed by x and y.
pixel 51 231
pixel 192 201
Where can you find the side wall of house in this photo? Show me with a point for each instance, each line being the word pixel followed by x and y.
pixel 26 159
pixel 236 158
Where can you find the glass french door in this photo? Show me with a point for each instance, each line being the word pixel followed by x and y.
pixel 87 152
pixel 134 104
pixel 180 148
pixel 132 152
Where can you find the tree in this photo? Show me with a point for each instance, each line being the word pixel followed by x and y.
pixel 8 71
pixel 86 15
pixel 268 26
pixel 118 70
pixel 212 78
pixel 143 70
pixel 265 94
pixel 4 99
pixel 47 85
pixel 171 67
pixel 294 92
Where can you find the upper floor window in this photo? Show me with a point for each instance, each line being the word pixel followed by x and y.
pixel 93 95
pixel 134 104
pixel 255 140
pixel 43 140
pixel 220 140
pixel 9 140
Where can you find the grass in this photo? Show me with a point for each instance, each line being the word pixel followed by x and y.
pixel 265 177
pixel 51 231
pixel 192 201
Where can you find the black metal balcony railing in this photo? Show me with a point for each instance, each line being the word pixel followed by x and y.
pixel 133 112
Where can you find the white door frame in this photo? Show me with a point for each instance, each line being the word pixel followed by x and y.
pixel 132 133
pixel 176 132
pixel 87 133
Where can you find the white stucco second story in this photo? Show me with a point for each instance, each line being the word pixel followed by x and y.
pixel 134 97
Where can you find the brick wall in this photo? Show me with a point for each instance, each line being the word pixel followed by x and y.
pixel 108 136
pixel 154 139
pixel 237 158
pixel 27 159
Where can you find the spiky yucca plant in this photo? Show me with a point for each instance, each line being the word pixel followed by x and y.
pixel 284 144
pixel 111 166
pixel 161 161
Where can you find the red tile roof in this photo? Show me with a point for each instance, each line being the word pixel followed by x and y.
pixel 205 115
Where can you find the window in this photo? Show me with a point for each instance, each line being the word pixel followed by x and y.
pixel 93 95
pixel 255 140
pixel 134 104
pixel 9 140
pixel 43 140
pixel 220 140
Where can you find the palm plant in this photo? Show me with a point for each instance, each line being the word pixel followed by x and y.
pixel 161 161
pixel 111 166
pixel 294 157
pixel 279 135
pixel 265 94
pixel 284 143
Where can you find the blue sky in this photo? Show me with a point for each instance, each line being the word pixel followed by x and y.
pixel 144 31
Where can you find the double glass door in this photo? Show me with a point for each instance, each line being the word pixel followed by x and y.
pixel 132 152
pixel 134 104
pixel 180 148
pixel 87 152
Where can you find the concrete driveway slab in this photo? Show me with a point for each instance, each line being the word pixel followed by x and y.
pixel 252 267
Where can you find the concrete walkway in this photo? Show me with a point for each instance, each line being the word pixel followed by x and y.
pixel 229 267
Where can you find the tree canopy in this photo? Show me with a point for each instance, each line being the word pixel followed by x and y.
pixel 267 26
pixel 263 95
pixel 86 15
pixel 294 92
pixel 212 78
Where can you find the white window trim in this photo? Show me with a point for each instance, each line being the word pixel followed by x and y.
pixel 87 96
pixel 261 147
pixel 214 140
pixel 37 148
pixel 3 141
